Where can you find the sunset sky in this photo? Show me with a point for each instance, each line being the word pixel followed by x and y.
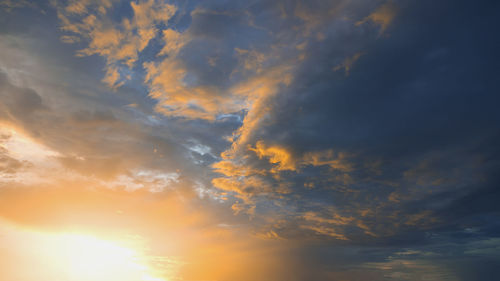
pixel 249 140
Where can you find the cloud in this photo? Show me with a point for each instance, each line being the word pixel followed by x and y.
pixel 382 16
pixel 9 5
pixel 18 102
pixel 76 138
pixel 119 43
pixel 348 63
pixel 306 132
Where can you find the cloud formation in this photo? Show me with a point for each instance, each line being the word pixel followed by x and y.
pixel 346 140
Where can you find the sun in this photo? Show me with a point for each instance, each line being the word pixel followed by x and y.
pixel 88 258
pixel 82 255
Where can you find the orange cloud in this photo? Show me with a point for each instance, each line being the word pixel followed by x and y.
pixel 176 98
pixel 285 159
pixel 174 41
pixel 348 63
pixel 119 43
pixel 251 59
pixel 276 155
pixel 382 16
pixel 248 181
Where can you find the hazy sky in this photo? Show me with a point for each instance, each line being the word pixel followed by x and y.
pixel 252 140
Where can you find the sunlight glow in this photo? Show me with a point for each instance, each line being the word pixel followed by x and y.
pixel 22 147
pixel 86 258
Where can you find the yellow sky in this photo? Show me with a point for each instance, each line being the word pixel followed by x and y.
pixel 67 230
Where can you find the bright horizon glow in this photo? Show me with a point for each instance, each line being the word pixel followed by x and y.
pixel 87 258
pixel 76 256
pixel 22 147
pixel 90 258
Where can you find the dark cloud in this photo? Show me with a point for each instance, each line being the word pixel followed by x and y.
pixel 19 103
pixel 415 114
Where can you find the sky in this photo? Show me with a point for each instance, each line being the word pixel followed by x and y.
pixel 249 140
